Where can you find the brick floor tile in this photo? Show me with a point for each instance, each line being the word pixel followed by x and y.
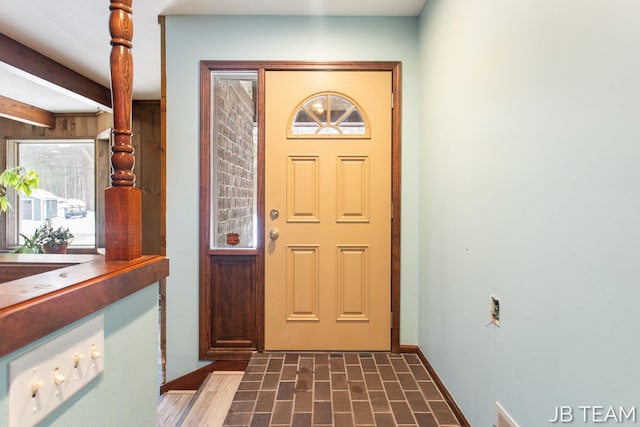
pixel 381 358
pixel 429 390
pixel 373 381
pixel 420 373
pixel 387 373
pixel 400 365
pixel 321 372
pixel 379 401
pixel 341 401
pixel 285 391
pixel 301 420
pixel 322 391
pixel 416 401
pixel 342 420
pixel 260 420
pixel 303 402
pixel 402 413
pixel 265 401
pixel 358 391
pixel 322 413
pixel 385 420
pixel 407 382
pixel 282 413
pixel 339 381
pixel 362 413
pixel 426 420
pixel 394 391
pixel 291 359
pixel 442 412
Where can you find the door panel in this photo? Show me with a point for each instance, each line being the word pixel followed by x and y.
pixel 303 190
pixel 328 267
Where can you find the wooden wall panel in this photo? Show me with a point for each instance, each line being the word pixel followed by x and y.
pixel 103 170
pixel 148 151
pixel 229 309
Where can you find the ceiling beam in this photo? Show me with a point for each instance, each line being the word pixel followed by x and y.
pixel 16 110
pixel 28 60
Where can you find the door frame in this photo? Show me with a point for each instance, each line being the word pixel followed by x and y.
pixel 242 348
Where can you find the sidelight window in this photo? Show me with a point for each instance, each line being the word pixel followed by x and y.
pixel 234 136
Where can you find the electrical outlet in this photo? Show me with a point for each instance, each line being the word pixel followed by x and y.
pixel 495 310
pixel 42 379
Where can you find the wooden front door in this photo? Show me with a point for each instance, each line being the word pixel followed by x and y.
pixel 328 210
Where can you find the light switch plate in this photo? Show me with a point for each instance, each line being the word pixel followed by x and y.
pixel 42 379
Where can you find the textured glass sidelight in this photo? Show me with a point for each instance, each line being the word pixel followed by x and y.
pixel 328 115
pixel 233 160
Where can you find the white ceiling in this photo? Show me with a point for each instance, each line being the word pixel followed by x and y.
pixel 75 33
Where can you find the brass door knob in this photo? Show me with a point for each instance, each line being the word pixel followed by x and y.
pixel 274 233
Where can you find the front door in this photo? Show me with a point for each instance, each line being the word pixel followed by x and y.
pixel 328 210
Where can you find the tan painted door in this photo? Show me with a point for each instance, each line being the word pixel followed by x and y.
pixel 328 213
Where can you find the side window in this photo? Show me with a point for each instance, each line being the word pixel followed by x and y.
pixel 66 194
pixel 234 160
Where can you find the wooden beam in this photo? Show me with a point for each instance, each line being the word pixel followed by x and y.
pixel 19 111
pixel 28 60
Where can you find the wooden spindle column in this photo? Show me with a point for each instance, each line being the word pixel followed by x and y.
pixel 123 201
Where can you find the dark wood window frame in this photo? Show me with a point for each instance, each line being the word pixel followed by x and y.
pixel 231 290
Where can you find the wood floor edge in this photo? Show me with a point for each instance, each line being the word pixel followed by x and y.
pixel 193 380
pixel 438 382
pixel 192 402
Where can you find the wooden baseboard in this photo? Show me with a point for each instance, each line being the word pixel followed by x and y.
pixel 411 349
pixel 438 382
pixel 193 380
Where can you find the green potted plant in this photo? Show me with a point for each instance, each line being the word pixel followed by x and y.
pixel 19 178
pixel 46 239
pixel 53 240
pixel 29 246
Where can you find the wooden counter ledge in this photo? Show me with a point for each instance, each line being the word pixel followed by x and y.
pixel 35 306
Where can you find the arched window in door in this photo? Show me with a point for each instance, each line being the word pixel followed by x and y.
pixel 328 115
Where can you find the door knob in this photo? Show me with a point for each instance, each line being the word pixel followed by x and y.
pixel 274 233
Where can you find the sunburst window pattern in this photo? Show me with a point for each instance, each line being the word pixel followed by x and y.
pixel 328 115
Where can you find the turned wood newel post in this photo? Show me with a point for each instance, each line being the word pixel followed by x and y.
pixel 123 201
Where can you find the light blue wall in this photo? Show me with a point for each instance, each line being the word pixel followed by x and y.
pixel 126 394
pixel 531 192
pixel 190 39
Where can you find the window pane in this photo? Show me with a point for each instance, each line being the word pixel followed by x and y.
pixel 66 193
pixel 353 124
pixel 339 107
pixel 304 123
pixel 234 161
pixel 318 108
pixel 328 115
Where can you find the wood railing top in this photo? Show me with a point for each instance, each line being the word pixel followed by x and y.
pixel 35 306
